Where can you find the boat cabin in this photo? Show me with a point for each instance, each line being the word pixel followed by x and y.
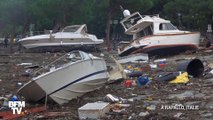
pixel 82 29
pixel 146 25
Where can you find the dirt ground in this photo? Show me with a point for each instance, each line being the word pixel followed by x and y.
pixel 153 99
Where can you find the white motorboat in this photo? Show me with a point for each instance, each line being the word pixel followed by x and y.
pixel 80 74
pixel 155 36
pixel 69 36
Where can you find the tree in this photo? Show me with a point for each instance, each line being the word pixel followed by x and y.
pixel 13 15
pixel 195 14
pixel 16 16
pixel 114 11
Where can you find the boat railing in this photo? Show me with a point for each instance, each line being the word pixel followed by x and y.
pixel 59 62
pixel 153 15
pixel 138 16
pixel 52 64
pixel 33 33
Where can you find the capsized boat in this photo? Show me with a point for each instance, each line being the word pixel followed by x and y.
pixel 75 35
pixel 155 36
pixel 81 73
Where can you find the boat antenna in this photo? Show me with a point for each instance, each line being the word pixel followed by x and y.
pixel 122 9
pixel 126 12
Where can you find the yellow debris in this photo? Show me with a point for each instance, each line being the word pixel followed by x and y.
pixel 136 69
pixel 149 99
pixel 182 78
pixel 129 67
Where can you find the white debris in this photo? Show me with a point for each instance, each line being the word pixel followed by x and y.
pixel 134 58
pixel 24 64
pixel 142 114
pixel 178 115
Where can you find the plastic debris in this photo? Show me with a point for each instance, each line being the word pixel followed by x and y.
pixel 102 55
pixel 24 64
pixel 168 76
pixel 211 71
pixel 94 110
pixel 134 58
pixel 151 107
pixel 149 99
pixel 121 105
pixel 111 98
pixel 32 67
pixel 160 60
pixel 127 71
pixel 19 84
pixel 143 81
pixel 135 74
pixel 162 64
pixel 193 67
pixel 128 83
pixel 178 115
pixel 14 98
pixel 27 73
pixel 182 78
pixel 153 66
pixel 142 114
pixel 130 100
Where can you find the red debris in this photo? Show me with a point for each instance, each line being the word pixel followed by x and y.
pixel 8 115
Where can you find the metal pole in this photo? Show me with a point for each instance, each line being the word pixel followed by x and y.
pixel 46 102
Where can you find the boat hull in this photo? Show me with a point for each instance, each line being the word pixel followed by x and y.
pixel 46 42
pixel 163 44
pixel 59 39
pixel 68 82
pixel 166 49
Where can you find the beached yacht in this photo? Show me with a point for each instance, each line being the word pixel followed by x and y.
pixel 154 35
pixel 75 35
pixel 68 77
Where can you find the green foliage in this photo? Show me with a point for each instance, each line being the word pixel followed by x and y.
pixel 16 16
pixel 13 13
pixel 195 14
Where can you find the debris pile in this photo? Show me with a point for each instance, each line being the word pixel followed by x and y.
pixel 175 87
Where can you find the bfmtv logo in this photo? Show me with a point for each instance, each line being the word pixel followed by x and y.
pixel 15 105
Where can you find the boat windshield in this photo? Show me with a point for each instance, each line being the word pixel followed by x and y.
pixel 132 21
pixel 167 26
pixel 78 55
pixel 145 32
pixel 71 28
pixel 68 58
pixel 74 56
